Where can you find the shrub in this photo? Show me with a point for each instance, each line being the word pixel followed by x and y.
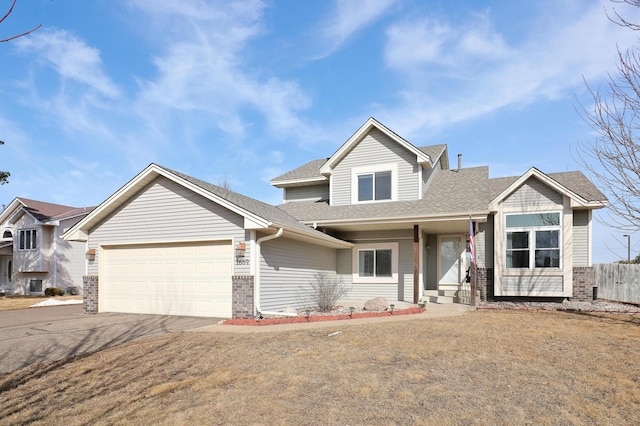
pixel 53 291
pixel 324 291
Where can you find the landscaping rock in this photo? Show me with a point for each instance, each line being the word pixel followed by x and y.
pixel 290 310
pixel 377 304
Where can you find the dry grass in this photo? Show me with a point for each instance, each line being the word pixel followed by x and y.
pixel 21 302
pixel 484 368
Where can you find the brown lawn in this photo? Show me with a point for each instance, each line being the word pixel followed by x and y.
pixel 22 302
pixel 485 368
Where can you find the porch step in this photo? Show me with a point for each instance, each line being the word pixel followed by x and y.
pixel 458 295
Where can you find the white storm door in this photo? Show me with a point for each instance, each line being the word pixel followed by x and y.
pixel 450 260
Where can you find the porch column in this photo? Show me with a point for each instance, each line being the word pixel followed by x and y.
pixel 416 263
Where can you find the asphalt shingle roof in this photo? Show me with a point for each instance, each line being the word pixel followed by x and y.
pixel 266 211
pixel 450 192
pixel 43 211
pixel 468 190
pixel 311 169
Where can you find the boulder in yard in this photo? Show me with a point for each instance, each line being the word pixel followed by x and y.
pixel 377 304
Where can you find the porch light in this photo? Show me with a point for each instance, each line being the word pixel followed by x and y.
pixel 351 309
pixel 391 306
pixel 91 255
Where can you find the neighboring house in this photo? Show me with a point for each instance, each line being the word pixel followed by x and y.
pixel 386 217
pixel 32 255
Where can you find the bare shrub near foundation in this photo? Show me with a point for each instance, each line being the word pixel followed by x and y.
pixel 323 291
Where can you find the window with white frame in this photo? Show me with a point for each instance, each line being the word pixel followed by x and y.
pixel 375 262
pixel 533 240
pixel 374 183
pixel 374 186
pixel 28 239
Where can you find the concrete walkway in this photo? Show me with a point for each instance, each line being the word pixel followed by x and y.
pixel 432 311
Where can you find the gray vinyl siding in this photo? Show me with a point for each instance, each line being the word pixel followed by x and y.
pixel 71 259
pixel 530 285
pixel 533 193
pixel 534 196
pixel 167 212
pixel 431 251
pixel 401 290
pixel 29 260
pixel 405 271
pixel 286 269
pixel 427 175
pixel 307 193
pixel 581 238
pixel 376 148
pixel 484 244
pixel 344 265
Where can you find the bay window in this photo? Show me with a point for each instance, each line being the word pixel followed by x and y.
pixel 533 240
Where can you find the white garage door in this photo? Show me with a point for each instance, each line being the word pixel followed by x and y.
pixel 171 279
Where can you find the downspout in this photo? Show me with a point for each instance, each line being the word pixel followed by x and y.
pixel 55 256
pixel 256 280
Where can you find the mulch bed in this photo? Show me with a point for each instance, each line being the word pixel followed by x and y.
pixel 317 318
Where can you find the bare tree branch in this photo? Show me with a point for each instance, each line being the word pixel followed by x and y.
pixel 613 158
pixel 6 15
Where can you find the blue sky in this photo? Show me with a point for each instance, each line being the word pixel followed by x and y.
pixel 247 90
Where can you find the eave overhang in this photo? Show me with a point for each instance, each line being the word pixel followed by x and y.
pixel 577 201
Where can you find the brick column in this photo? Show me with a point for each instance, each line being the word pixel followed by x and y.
pixel 584 280
pixel 242 296
pixel 90 294
pixel 485 283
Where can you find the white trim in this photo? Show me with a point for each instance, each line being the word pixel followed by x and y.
pixel 372 169
pixel 531 230
pixel 327 168
pixel 576 200
pixel 288 183
pixel 393 279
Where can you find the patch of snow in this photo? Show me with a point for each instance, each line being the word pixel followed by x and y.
pixel 54 302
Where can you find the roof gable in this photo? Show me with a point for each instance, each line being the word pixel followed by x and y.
pixel 575 185
pixel 421 156
pixel 40 211
pixel 256 214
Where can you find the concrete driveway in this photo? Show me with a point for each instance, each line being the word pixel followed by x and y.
pixel 35 335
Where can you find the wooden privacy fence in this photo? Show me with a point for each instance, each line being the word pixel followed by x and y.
pixel 618 282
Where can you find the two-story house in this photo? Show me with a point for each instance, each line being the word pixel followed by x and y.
pixel 33 257
pixel 386 217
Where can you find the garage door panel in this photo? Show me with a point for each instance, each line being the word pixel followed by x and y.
pixel 175 279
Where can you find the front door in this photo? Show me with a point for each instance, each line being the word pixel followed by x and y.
pixel 6 273
pixel 451 260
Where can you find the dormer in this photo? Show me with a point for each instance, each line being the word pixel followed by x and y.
pixel 375 165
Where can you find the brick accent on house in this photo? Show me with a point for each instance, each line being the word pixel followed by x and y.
pixel 242 296
pixel 584 280
pixel 90 294
pixel 485 283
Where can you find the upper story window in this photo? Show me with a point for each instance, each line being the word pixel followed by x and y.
pixel 374 183
pixel 28 239
pixel 7 234
pixel 533 240
pixel 374 186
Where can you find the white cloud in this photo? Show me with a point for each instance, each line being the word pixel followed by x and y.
pixel 486 73
pixel 206 69
pixel 348 18
pixel 71 57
